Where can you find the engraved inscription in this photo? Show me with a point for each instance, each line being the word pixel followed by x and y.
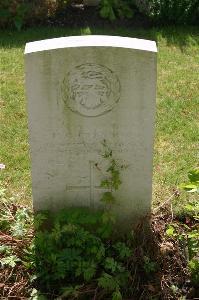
pixel 91 89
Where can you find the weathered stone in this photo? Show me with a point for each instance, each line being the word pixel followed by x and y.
pixel 82 90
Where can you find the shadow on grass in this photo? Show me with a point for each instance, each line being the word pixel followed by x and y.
pixel 175 36
pixel 180 37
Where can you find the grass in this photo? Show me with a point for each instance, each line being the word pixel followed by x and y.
pixel 177 103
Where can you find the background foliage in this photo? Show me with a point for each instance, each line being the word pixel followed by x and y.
pixel 19 13
pixel 171 11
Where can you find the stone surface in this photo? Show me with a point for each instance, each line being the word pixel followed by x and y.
pixel 82 90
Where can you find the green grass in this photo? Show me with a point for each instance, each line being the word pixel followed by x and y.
pixel 177 104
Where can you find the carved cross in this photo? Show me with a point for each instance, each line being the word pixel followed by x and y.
pixel 91 187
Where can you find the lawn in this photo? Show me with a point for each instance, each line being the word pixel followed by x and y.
pixel 177 104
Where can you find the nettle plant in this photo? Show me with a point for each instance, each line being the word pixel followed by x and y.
pixel 78 256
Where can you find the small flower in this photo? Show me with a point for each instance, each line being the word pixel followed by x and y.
pixel 2 166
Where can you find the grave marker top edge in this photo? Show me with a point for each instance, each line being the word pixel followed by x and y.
pixel 91 41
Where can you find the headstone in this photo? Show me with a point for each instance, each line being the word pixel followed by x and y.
pixel 83 90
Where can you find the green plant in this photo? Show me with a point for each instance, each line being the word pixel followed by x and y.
pixel 79 247
pixel 194 268
pixel 14 13
pixel 10 260
pixel 171 11
pixel 20 13
pixel 193 185
pixel 113 9
pixel 75 251
pixel 149 265
pixel 112 180
pixel 188 237
pixel 191 239
pixel 16 232
pixel 188 233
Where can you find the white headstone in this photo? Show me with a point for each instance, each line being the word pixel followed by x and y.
pixel 83 90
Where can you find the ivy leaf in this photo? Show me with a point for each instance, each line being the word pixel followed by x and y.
pixel 105 183
pixel 108 197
